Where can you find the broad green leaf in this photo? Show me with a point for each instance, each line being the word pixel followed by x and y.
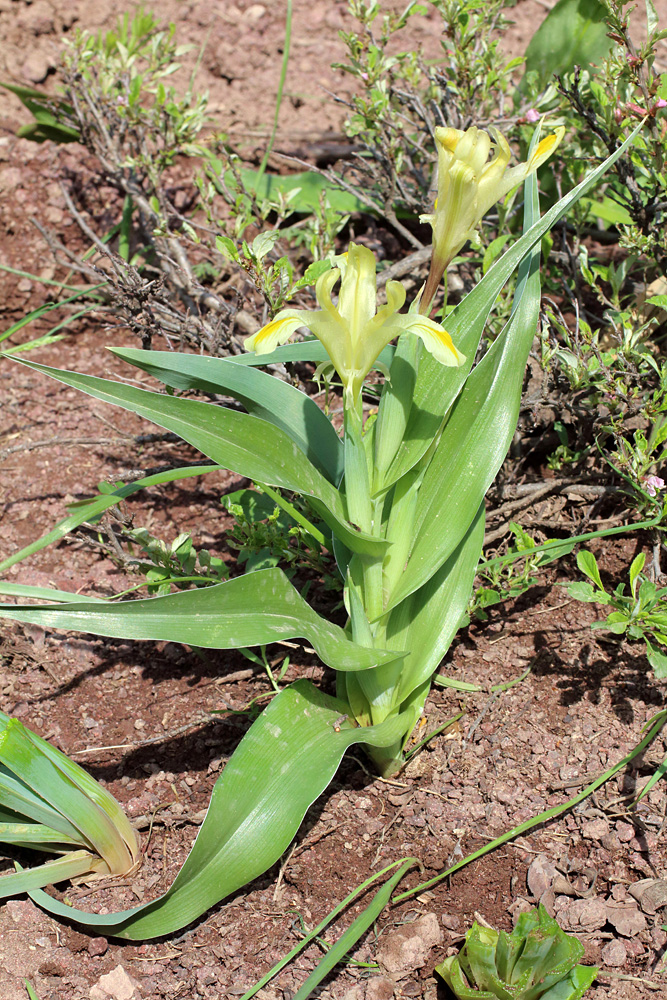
pixel 584 592
pixel 71 865
pixel 52 777
pixel 35 837
pixel 306 189
pixel 437 387
pixel 574 33
pixel 477 434
pixel 249 610
pixel 608 210
pixel 240 442
pixel 254 813
pixel 88 510
pixel 657 660
pixel 587 564
pixel 263 395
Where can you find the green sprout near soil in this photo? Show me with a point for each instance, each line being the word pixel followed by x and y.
pixel 537 961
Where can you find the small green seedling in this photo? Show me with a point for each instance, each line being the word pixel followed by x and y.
pixel 537 961
pixel 641 614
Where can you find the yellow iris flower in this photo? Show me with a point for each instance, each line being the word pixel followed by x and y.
pixel 354 331
pixel 468 185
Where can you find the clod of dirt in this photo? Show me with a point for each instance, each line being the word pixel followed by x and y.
pixel 626 918
pixel 540 876
pixel 650 893
pixel 581 914
pixel 407 948
pixel 116 985
pixel 380 988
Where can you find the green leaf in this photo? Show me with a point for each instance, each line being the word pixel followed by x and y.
pixel 359 926
pixel 427 621
pixel 587 564
pixel 306 350
pixel 308 188
pixel 262 395
pixel 635 569
pixel 254 813
pixel 652 20
pixel 584 592
pixel 243 443
pixel 574 33
pixel 657 660
pixel 608 210
pixel 46 111
pixel 249 610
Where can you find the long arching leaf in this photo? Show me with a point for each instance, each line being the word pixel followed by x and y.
pixel 283 763
pixel 240 442
pixel 263 395
pixel 249 610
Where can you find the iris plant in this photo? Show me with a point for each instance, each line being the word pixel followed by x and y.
pixel 401 495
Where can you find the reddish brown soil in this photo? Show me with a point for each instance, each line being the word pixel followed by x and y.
pixel 138 715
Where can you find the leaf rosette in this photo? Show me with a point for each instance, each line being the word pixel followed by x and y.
pixel 537 961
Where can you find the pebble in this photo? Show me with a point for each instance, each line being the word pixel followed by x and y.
pixel 625 832
pixel 98 946
pixel 116 985
pixel 380 988
pixel 595 829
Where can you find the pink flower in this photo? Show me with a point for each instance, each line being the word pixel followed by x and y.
pixel 532 115
pixel 660 103
pixel 653 484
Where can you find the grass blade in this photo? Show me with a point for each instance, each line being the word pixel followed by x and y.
pixel 359 926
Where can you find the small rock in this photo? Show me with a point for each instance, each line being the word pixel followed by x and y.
pixel 650 893
pixel 625 832
pixel 36 67
pixel 610 842
pixel 380 988
pixel 451 922
pixel 356 993
pixel 98 946
pixel 207 975
pixel 614 953
pixel 407 948
pixel 116 985
pixel 583 914
pixel 659 938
